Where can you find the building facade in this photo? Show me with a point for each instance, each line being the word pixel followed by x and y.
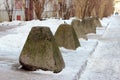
pixel 117 6
pixel 11 8
pixel 20 9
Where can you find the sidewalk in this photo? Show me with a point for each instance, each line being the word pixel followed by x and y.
pixel 104 64
pixel 4 29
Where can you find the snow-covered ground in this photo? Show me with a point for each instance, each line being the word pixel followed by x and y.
pixel 13 41
pixel 104 64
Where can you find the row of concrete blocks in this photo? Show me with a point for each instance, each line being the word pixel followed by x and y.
pixel 41 48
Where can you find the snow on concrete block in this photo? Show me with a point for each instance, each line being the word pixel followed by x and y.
pixel 41 51
pixel 93 36
pixel 79 28
pixel 66 37
pixel 100 30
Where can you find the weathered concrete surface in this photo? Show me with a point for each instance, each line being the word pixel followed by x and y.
pixel 66 37
pixel 41 51
pixel 79 28
pixel 85 26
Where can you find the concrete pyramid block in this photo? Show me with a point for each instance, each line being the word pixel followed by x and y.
pixel 89 25
pixel 97 22
pixel 41 51
pixel 66 37
pixel 79 28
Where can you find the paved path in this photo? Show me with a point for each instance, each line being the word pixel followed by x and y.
pixel 104 64
pixel 4 29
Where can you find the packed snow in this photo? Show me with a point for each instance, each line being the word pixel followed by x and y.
pixel 77 62
pixel 104 64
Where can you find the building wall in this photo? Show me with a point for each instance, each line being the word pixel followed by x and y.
pixel 3 16
pixel 52 9
pixel 17 10
pixel 117 6
pixel 3 12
